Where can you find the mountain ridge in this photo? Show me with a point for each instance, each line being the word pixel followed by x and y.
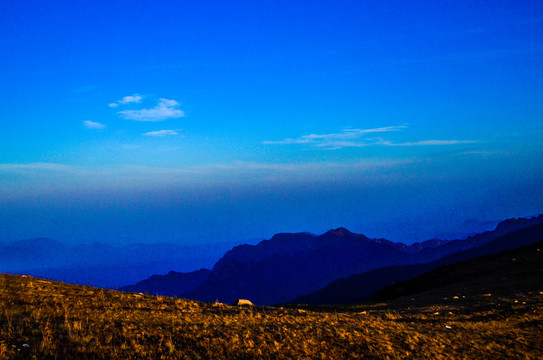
pixel 290 265
pixel 360 287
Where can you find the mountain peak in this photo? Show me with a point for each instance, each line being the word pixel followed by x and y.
pixel 340 232
pixel 344 234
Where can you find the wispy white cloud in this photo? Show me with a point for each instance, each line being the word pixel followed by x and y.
pixel 359 138
pixel 344 138
pixel 136 98
pixel 165 109
pixel 161 133
pixel 131 99
pixel 429 143
pixel 93 124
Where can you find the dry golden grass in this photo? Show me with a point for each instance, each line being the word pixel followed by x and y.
pixel 41 319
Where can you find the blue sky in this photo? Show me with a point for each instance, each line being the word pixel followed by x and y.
pixel 198 121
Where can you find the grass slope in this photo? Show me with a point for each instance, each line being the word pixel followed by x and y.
pixel 41 319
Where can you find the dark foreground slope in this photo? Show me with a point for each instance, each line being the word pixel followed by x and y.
pixel 517 271
pixel 360 287
pixel 47 320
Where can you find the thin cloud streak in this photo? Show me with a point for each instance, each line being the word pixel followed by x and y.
pixel 54 175
pixel 429 143
pixel 54 167
pixel 161 133
pixel 202 168
pixel 358 138
pixel 346 137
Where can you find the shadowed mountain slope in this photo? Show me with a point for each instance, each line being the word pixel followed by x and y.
pixel 360 287
pixel 517 271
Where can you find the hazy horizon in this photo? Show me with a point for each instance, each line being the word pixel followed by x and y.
pixel 223 122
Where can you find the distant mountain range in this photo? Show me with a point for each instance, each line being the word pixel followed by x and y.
pixel 171 284
pixel 103 265
pixel 288 265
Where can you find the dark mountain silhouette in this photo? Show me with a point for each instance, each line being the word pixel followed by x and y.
pixel 506 273
pixel 360 287
pixel 287 265
pixel 290 265
pixel 428 244
pixel 171 284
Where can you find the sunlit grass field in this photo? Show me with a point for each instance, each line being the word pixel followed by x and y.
pixel 41 319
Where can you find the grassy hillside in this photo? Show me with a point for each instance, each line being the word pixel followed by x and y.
pixel 46 320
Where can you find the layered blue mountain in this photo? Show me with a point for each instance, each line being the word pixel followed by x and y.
pixel 171 284
pixel 361 287
pixel 290 265
pixel 103 265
